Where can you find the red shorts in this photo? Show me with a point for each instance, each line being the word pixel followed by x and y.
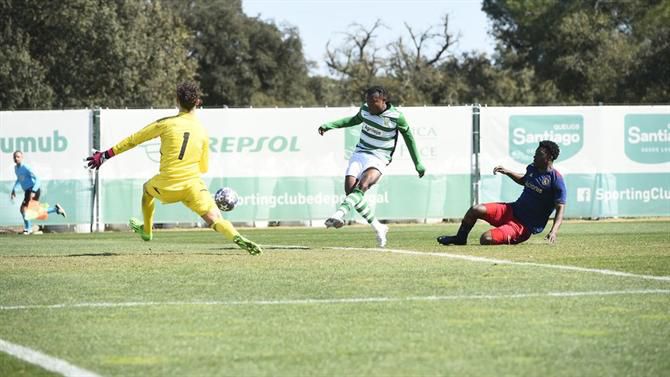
pixel 508 230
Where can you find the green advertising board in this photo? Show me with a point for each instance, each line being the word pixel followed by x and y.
pixel 526 131
pixel 647 138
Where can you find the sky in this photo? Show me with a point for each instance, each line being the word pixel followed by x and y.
pixel 320 21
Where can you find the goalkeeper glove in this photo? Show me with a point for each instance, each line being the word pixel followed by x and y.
pixel 98 158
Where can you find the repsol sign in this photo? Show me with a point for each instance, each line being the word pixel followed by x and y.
pixel 647 138
pixel 242 144
pixel 526 131
pixel 276 144
pixel 51 143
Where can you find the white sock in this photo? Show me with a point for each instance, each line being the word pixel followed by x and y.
pixel 376 225
pixel 339 214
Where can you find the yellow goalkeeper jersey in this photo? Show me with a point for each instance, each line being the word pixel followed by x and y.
pixel 184 149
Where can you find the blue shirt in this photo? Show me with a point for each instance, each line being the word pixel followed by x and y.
pixel 542 191
pixel 26 178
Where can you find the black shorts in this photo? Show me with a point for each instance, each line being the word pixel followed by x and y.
pixel 27 196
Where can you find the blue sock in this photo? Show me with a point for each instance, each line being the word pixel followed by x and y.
pixel 51 210
pixel 27 225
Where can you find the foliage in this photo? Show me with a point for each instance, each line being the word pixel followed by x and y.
pixel 414 68
pixel 474 78
pixel 406 69
pixel 22 77
pixel 357 61
pixel 84 53
pixel 326 91
pixel 593 51
pixel 649 81
pixel 243 61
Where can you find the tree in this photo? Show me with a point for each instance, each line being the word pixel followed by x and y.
pixel 357 61
pixel 474 78
pixel 410 73
pixel 416 69
pixel 592 51
pixel 22 78
pixel 326 91
pixel 649 80
pixel 86 53
pixel 244 61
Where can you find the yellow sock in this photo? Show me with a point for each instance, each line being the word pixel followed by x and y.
pixel 226 228
pixel 148 212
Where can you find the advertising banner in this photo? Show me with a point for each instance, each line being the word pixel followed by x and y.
pixel 615 159
pixel 54 143
pixel 284 170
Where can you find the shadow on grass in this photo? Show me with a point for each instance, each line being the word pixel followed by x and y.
pixel 93 255
pixel 265 247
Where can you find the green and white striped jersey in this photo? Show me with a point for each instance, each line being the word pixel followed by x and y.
pixel 379 133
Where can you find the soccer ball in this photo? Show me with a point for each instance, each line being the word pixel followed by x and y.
pixel 226 199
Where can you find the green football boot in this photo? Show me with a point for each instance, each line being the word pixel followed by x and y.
pixel 138 228
pixel 247 245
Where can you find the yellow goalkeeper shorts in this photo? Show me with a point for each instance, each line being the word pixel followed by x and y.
pixel 195 196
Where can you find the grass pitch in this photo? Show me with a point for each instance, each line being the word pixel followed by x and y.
pixel 327 302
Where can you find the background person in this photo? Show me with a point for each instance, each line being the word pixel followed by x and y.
pixel 28 181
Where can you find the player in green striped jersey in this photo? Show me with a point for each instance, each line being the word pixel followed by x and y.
pixel 379 136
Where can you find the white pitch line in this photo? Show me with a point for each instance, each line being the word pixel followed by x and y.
pixel 345 300
pixel 472 258
pixel 47 362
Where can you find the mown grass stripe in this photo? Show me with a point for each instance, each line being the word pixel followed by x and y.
pixel 344 300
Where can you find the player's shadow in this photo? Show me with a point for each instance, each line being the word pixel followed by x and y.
pixel 265 247
pixel 93 255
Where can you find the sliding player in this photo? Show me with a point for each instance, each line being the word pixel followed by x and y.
pixel 544 191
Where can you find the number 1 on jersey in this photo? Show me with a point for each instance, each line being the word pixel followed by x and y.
pixel 183 145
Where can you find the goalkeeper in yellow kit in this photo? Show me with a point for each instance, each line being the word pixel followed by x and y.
pixel 184 157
